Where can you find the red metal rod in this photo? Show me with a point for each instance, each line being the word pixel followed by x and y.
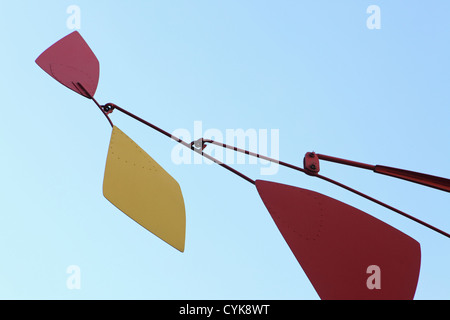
pixel 80 86
pixel 184 143
pixel 362 165
pixel 113 106
pixel 200 151
pixel 416 177
pixel 384 205
pixel 346 162
pixel 250 153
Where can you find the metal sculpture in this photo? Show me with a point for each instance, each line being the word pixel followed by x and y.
pixel 320 231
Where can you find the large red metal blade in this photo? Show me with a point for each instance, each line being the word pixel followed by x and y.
pixel 71 61
pixel 346 253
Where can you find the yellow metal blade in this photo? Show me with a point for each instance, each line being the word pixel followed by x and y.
pixel 138 186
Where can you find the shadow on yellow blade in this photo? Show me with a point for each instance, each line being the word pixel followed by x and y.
pixel 142 189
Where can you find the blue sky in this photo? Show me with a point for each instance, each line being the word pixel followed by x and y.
pixel 313 71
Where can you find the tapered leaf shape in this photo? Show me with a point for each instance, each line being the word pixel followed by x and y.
pixel 345 252
pixel 70 61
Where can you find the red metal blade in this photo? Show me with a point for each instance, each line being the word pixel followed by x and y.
pixel 69 61
pixel 337 244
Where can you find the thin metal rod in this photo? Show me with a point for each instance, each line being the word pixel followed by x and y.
pixel 346 162
pixel 80 87
pixel 333 181
pixel 252 154
pixel 106 115
pixel 384 205
pixel 184 143
pixel 148 124
pixel 200 151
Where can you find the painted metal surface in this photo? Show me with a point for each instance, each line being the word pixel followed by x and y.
pixel 71 61
pixel 137 185
pixel 337 244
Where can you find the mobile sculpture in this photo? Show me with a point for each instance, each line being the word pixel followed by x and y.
pixel 333 242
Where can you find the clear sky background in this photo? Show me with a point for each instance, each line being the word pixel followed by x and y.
pixel 312 70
